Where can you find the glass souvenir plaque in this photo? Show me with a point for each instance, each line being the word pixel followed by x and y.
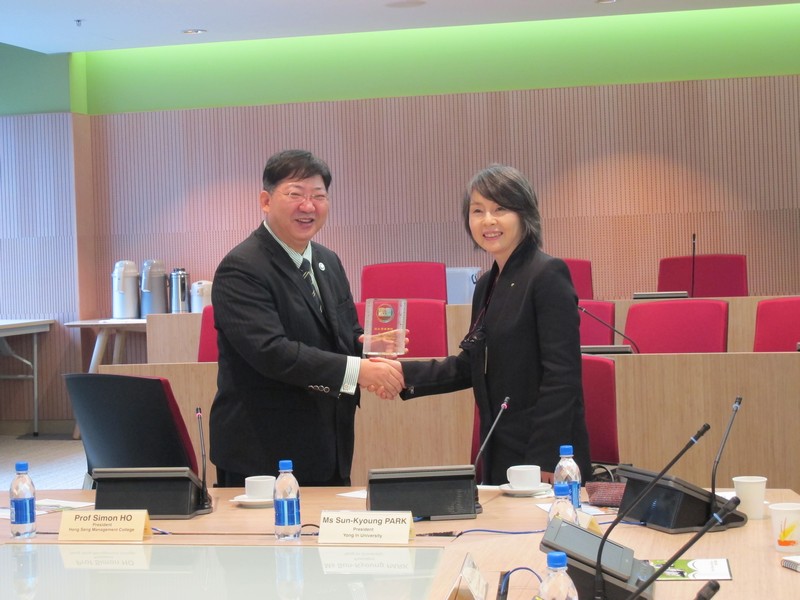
pixel 385 327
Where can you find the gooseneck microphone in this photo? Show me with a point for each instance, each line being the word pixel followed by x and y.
pixel 599 582
pixel 206 498
pixel 503 408
pixel 716 519
pixel 602 322
pixel 708 590
pixel 712 504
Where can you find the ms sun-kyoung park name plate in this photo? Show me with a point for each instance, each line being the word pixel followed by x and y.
pixel 385 327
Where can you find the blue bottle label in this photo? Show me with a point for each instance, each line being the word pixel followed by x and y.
pixel 575 493
pixel 23 511
pixel 287 512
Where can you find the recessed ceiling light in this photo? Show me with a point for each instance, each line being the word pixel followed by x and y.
pixel 605 1
pixel 194 31
pixel 405 3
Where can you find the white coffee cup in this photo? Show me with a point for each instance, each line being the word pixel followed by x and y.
pixel 786 526
pixel 259 487
pixel 750 490
pixel 524 477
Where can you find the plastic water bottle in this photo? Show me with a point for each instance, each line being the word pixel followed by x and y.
pixel 567 471
pixel 287 503
pixel 22 498
pixel 562 505
pixel 557 584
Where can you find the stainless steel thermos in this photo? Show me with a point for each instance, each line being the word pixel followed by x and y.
pixel 179 291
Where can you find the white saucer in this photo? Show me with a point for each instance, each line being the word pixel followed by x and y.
pixel 523 492
pixel 246 502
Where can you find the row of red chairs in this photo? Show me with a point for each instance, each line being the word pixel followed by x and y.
pixel 701 276
pixel 693 325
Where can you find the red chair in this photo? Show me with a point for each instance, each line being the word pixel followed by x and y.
pixel 600 404
pixel 129 421
pixel 404 280
pixel 594 333
pixel 715 275
pixel 777 325
pixel 580 271
pixel 426 321
pixel 207 348
pixel 679 326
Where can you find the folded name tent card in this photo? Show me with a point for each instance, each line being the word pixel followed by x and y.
pixel 365 527
pixel 104 525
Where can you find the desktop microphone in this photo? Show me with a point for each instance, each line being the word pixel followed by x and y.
pixel 503 408
pixel 599 582
pixel 602 322
pixel 716 519
pixel 694 255
pixel 712 504
pixel 206 498
pixel 708 590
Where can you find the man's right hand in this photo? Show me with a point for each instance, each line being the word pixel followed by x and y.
pixel 382 374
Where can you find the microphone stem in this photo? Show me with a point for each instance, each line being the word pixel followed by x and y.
pixel 713 503
pixel 617 331
pixel 715 519
pixel 503 407
pixel 599 583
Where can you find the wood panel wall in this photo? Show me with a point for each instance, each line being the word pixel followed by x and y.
pixel 625 175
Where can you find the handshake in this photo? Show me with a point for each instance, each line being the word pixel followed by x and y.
pixel 384 376
pixel 381 372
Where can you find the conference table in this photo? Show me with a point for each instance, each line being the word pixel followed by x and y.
pixel 14 327
pixel 232 551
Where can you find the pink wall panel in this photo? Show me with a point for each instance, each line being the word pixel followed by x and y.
pixel 625 175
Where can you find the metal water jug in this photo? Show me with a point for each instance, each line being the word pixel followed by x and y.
pixel 153 287
pixel 201 295
pixel 125 290
pixel 179 290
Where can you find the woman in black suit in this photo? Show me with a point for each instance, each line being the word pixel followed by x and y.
pixel 524 341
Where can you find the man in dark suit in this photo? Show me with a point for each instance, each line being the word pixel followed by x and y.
pixel 289 340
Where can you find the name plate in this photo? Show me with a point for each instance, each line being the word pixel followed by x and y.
pixel 104 525
pixel 365 527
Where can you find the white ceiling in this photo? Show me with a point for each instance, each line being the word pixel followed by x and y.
pixel 53 26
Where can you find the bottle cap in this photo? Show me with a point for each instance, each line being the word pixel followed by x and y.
pixel 561 489
pixel 556 560
pixel 285 465
pixel 21 465
pixel 566 450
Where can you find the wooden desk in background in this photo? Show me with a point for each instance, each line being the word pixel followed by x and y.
pixel 175 338
pixel 14 327
pixel 755 565
pixel 663 399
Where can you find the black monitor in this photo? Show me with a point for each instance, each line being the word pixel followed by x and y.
pixel 673 505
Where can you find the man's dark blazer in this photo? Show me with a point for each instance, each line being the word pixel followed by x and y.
pixel 281 363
